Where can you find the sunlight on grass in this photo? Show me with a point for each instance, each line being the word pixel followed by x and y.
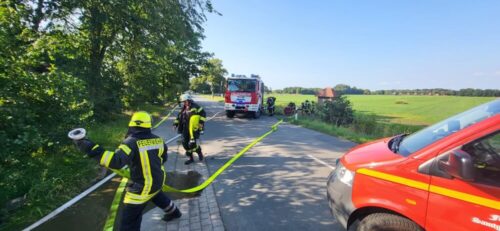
pixel 403 109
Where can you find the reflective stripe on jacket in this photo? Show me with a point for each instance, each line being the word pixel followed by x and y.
pixel 145 154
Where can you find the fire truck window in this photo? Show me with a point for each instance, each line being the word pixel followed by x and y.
pixel 243 85
pixel 485 155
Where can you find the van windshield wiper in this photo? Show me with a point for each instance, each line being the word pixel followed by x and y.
pixel 396 141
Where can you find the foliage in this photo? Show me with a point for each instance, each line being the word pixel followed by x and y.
pixel 267 90
pixel 440 91
pixel 338 111
pixel 211 77
pixel 344 89
pixel 199 85
pixel 297 90
pixel 67 63
pixel 339 88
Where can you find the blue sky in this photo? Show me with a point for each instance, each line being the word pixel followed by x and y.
pixel 374 44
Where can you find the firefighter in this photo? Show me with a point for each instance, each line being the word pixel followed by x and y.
pixel 190 123
pixel 145 154
pixel 307 107
pixel 270 105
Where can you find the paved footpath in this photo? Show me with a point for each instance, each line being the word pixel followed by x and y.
pixel 198 213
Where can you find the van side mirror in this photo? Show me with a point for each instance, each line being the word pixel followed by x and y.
pixel 459 165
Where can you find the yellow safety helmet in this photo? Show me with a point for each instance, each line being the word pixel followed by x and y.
pixel 140 119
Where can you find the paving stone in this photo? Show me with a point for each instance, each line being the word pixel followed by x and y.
pixel 199 213
pixel 172 227
pixel 218 228
pixel 195 226
pixel 207 228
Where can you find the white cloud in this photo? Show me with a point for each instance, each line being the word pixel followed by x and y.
pixel 478 73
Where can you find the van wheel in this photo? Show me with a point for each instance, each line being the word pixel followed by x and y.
pixel 230 114
pixel 385 222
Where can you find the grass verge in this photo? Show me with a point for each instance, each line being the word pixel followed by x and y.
pixel 329 129
pixel 365 128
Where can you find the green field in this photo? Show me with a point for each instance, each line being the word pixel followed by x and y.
pixel 404 109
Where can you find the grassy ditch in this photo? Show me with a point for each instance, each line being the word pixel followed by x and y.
pixel 365 127
pixel 53 175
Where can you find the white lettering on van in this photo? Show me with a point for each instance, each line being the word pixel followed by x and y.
pixel 495 217
pixel 486 223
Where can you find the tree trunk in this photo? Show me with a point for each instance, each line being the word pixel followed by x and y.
pixel 94 83
pixel 37 18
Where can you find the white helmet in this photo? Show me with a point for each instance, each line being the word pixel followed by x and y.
pixel 185 97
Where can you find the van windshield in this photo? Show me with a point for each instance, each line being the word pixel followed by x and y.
pixel 433 133
pixel 241 85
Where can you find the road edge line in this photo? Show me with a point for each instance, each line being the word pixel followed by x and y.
pixel 320 161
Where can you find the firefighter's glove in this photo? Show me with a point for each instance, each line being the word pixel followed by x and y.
pixel 89 147
pixel 84 145
pixel 192 144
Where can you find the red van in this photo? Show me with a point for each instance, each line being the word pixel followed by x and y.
pixel 443 177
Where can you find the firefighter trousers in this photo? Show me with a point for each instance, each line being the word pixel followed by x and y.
pixel 132 213
pixel 191 147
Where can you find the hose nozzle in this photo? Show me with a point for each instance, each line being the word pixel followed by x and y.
pixel 77 134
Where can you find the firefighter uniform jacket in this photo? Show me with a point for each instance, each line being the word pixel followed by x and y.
pixel 145 154
pixel 182 122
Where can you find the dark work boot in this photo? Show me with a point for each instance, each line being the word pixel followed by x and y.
pixel 200 154
pixel 191 159
pixel 174 215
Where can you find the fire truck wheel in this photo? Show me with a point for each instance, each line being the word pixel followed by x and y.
pixel 230 114
pixel 385 222
pixel 256 114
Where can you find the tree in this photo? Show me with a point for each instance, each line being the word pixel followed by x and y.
pixel 212 74
pixel 267 89
pixel 338 111
pixel 65 63
pixel 199 85
pixel 345 89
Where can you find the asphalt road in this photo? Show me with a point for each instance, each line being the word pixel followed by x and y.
pixel 280 184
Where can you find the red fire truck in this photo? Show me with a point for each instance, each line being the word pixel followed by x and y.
pixel 244 95
pixel 443 177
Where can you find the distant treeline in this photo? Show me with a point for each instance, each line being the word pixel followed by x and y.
pixel 339 89
pixel 298 90
pixel 346 89
pixel 440 91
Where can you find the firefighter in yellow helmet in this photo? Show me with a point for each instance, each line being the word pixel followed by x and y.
pixel 190 122
pixel 145 154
